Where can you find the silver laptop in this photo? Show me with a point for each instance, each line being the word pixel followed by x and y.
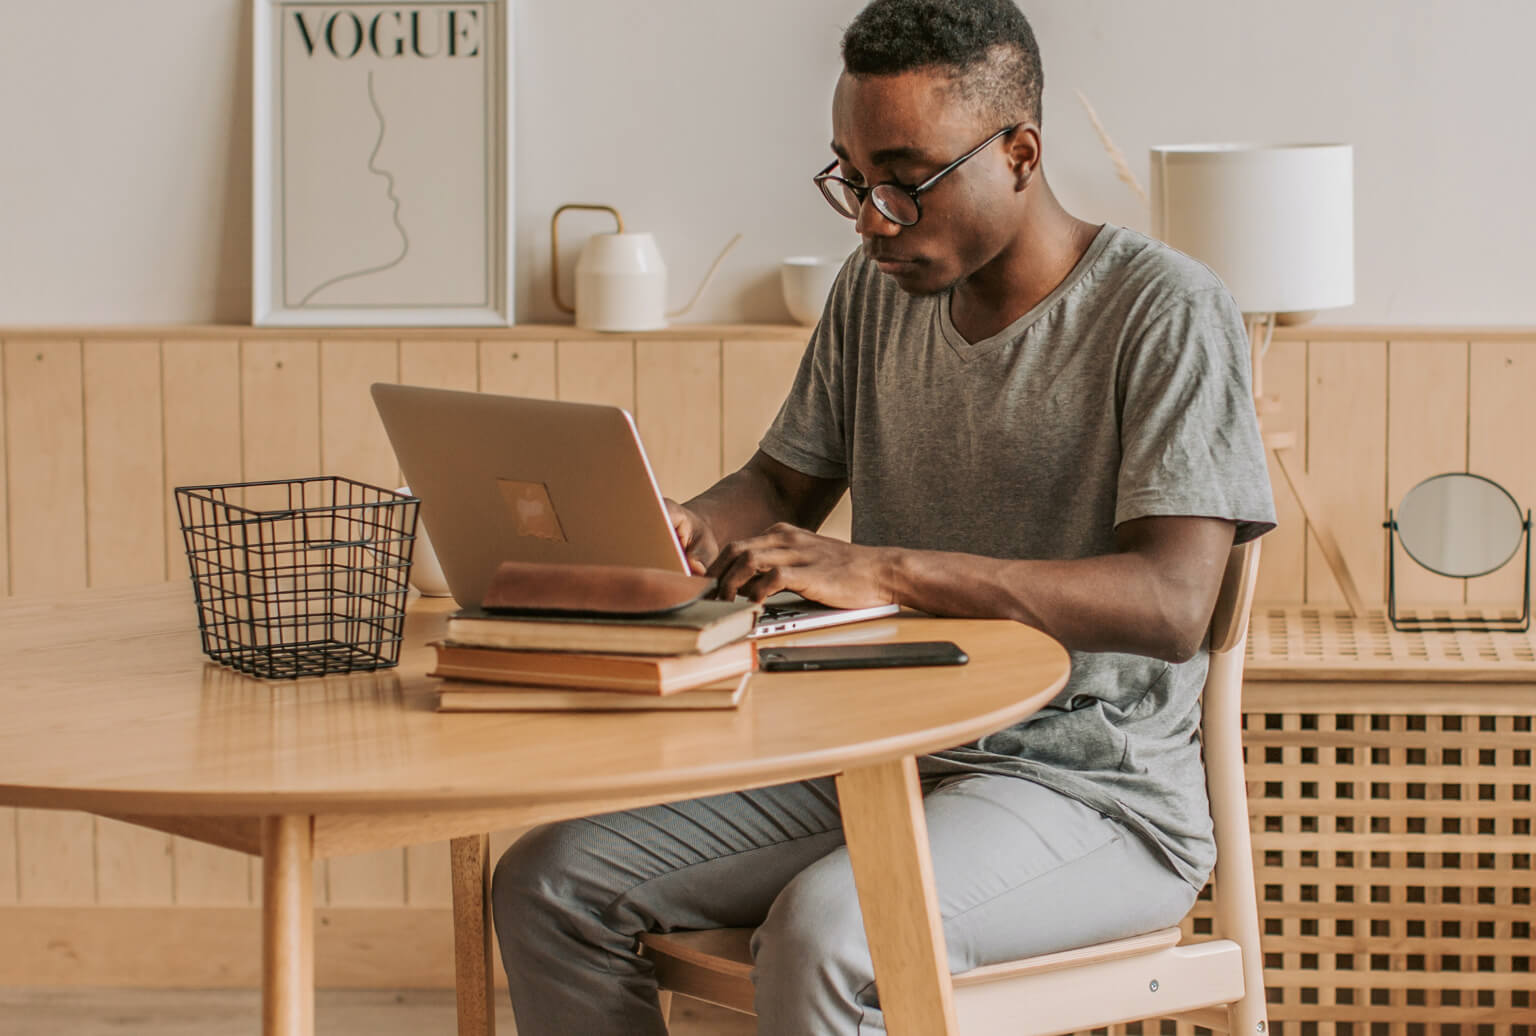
pixel 503 478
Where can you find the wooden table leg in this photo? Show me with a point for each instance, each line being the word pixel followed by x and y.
pixel 288 932
pixel 882 810
pixel 473 976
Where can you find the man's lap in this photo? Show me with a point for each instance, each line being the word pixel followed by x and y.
pixel 1019 869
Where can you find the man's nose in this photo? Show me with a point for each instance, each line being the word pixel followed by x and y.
pixel 871 222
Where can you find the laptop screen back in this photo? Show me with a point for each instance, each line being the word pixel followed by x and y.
pixel 508 479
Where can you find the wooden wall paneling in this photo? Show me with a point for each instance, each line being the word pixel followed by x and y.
pixel 353 443
pixel 368 879
pixel 1346 459
pixel 1500 428
pixel 755 378
pixel 208 876
pixel 200 386
pixel 134 865
pixel 8 852
pixel 352 439
pixel 46 469
pixel 1283 564
pixel 55 851
pixel 280 408
pixel 440 364
pixel 518 368
pixel 5 483
pixel 55 858
pixel 124 463
pixel 601 371
pixel 677 409
pixel 428 876
pixel 1426 435
pixel 7 814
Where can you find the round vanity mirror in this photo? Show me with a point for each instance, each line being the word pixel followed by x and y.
pixel 1460 525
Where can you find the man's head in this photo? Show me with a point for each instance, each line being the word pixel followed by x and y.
pixel 924 82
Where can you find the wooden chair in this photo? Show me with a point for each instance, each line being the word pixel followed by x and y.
pixel 1217 983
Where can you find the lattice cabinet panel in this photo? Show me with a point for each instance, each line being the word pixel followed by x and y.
pixel 1394 864
pixel 1395 883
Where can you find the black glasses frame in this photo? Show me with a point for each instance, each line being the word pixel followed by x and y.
pixel 829 183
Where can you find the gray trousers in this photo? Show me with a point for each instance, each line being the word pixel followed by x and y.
pixel 1019 870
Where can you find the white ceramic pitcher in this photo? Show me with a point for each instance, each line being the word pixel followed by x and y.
pixel 621 279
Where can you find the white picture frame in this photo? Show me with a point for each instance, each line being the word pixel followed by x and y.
pixel 382 155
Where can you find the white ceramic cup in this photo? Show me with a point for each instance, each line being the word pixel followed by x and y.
pixel 426 573
pixel 806 280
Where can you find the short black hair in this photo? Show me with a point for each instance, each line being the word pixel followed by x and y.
pixel 985 46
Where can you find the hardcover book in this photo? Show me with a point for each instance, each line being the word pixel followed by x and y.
pixel 634 674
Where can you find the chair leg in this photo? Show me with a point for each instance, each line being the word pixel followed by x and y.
pixel 664 997
pixel 473 976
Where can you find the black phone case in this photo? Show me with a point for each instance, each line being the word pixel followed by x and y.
pixel 860 656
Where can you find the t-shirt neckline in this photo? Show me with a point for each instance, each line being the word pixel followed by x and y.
pixel 968 350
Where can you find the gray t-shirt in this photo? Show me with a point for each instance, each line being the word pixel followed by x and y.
pixel 1125 393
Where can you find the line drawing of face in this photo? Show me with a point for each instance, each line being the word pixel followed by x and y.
pixel 389 187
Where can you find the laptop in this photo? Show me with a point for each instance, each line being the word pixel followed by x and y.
pixel 502 478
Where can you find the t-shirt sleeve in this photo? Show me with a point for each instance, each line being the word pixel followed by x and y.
pixel 1189 438
pixel 809 433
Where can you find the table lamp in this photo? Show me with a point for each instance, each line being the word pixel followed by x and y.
pixel 1276 223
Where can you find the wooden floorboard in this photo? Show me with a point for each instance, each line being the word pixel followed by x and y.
pixel 135 1012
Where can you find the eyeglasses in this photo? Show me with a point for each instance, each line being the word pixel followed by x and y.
pixel 896 202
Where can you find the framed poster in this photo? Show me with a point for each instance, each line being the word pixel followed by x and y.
pixel 383 159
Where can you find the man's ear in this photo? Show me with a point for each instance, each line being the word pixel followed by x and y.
pixel 1024 154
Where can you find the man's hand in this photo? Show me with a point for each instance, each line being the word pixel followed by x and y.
pixel 789 558
pixel 694 534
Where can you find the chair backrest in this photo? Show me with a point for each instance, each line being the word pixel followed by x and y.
pixel 1221 734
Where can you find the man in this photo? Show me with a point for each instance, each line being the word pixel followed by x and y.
pixel 1038 419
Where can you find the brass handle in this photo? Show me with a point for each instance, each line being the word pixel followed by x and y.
pixel 554 247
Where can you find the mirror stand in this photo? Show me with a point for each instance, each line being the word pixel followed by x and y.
pixel 1482 624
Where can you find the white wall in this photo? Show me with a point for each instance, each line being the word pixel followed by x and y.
pixel 124 139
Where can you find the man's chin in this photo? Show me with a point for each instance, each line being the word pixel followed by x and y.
pixel 916 279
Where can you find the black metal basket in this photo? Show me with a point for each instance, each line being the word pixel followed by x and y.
pixel 302 577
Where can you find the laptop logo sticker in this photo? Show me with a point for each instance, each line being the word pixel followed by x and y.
pixel 532 510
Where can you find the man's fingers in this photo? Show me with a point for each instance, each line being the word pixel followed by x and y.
pixel 734 573
pixel 765 584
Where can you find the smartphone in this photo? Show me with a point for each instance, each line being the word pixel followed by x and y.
pixel 860 656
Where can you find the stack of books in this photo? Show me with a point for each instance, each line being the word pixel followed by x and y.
pixel 697 657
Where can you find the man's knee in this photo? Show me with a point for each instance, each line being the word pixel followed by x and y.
pixel 814 932
pixel 534 874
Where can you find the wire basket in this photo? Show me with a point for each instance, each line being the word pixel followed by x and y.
pixel 302 577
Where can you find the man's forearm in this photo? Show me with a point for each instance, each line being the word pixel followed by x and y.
pixel 742 504
pixel 1116 602
pixel 763 492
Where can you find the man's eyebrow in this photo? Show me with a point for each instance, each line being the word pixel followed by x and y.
pixel 886 156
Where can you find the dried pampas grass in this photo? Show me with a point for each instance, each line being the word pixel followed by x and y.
pixel 1122 167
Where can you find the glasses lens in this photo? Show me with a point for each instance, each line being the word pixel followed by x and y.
pixel 840 196
pixel 895 204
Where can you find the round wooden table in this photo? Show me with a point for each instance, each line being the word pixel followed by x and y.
pixel 109 707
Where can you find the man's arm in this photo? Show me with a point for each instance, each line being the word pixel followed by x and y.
pixel 762 493
pixel 1153 596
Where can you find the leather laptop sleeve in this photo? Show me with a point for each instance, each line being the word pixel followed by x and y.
pixel 532 587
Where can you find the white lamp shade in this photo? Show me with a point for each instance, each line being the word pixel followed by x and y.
pixel 1276 223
